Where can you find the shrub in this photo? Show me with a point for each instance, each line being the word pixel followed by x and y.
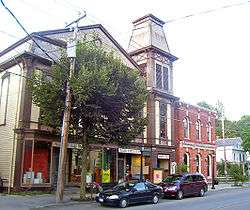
pixel 236 172
pixel 182 168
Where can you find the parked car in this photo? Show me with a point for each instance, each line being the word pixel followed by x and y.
pixel 130 192
pixel 181 185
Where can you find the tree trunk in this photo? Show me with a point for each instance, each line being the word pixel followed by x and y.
pixel 85 151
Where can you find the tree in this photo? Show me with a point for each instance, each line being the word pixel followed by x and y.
pixel 204 104
pixel 243 126
pixel 107 100
pixel 237 173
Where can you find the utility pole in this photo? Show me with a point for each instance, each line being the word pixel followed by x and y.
pixel 223 137
pixel 71 53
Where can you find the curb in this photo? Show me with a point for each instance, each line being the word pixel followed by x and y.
pixel 61 204
pixel 227 188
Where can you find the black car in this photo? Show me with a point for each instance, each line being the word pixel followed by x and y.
pixel 130 192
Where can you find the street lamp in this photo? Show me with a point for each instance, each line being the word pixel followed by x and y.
pixel 213 172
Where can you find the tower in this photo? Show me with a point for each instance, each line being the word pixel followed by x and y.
pixel 149 48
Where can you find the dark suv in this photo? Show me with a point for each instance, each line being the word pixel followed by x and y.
pixel 180 185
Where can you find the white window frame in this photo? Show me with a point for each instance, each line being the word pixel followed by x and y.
pixel 209 132
pixel 3 79
pixel 198 122
pixel 188 160
pixel 188 127
pixel 162 81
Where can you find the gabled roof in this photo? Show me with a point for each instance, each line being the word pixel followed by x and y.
pixel 42 35
pixel 229 141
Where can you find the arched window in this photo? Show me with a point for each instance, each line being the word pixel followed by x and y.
pixel 186 127
pixel 186 160
pixel 209 132
pixel 198 129
pixel 209 165
pixel 198 163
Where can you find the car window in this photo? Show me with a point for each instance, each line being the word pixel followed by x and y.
pixel 140 187
pixel 197 178
pixel 125 186
pixel 188 179
pixel 150 185
pixel 173 178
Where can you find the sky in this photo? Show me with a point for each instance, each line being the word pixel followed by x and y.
pixel 213 48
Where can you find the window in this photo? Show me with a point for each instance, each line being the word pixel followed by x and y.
pixel 209 132
pixel 209 165
pixel 4 92
pixel 189 178
pixel 198 163
pixel 140 187
pixel 197 178
pixel 198 129
pixel 186 160
pixel 186 127
pixel 158 76
pixel 162 77
pixel 163 120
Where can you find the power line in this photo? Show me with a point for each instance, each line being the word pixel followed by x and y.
pixel 207 11
pixel 19 23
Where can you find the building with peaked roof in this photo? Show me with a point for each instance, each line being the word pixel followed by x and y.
pixel 29 151
pixel 234 150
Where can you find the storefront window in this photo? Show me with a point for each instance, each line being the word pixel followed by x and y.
pixel 36 163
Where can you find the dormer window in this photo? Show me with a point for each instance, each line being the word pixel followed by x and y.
pixel 161 73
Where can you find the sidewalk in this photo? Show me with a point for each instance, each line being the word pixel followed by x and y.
pixel 223 186
pixel 16 202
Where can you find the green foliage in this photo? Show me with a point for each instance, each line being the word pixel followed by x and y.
pixel 108 97
pixel 236 172
pixel 243 126
pixel 182 168
pixel 204 104
pixel 221 168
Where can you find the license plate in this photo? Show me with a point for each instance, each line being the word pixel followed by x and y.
pixel 101 199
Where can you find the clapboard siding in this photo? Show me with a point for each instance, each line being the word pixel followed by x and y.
pixel 7 130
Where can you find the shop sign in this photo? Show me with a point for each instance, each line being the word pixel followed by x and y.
pixel 165 157
pixel 106 176
pixel 70 145
pixel 157 176
pixel 129 151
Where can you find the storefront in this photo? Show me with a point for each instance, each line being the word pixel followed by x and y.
pixel 36 164
pixel 129 164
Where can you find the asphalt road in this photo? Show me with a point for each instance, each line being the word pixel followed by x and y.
pixel 230 199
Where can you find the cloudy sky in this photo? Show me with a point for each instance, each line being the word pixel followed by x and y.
pixel 213 48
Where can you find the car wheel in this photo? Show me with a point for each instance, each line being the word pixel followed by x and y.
pixel 123 203
pixel 202 192
pixel 155 199
pixel 179 195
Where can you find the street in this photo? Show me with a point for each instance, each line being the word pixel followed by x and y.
pixel 231 199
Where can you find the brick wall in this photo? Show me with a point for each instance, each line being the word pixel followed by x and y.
pixel 192 145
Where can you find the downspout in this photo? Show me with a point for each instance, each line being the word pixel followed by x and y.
pixel 14 135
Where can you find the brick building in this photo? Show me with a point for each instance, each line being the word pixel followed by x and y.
pixel 195 138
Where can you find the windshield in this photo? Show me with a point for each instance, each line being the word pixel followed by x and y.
pixel 172 179
pixel 125 186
